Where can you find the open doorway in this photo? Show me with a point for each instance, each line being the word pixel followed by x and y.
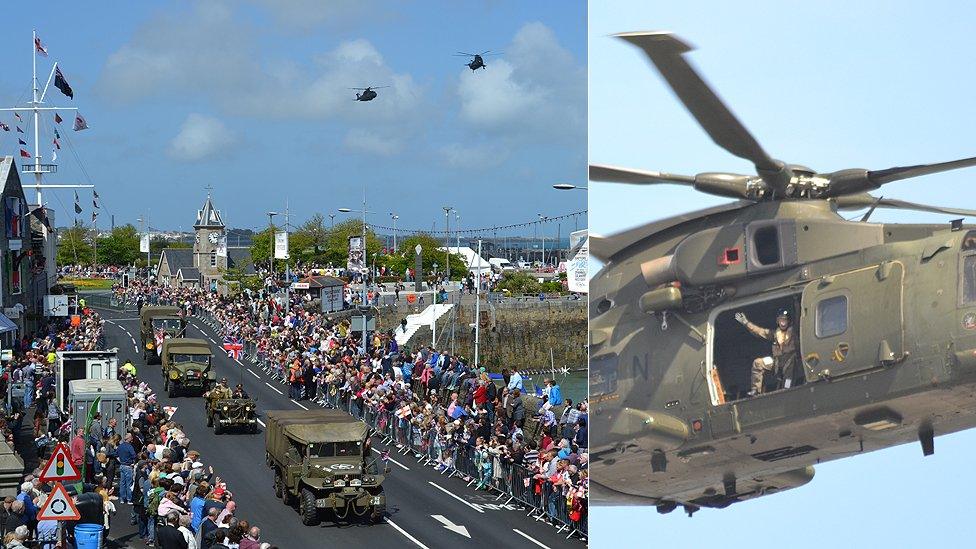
pixel 734 348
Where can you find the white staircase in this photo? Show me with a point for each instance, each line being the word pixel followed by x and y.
pixel 423 318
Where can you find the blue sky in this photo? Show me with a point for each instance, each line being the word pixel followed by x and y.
pixel 250 97
pixel 830 85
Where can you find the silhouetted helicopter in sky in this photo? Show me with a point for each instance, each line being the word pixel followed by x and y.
pixel 368 93
pixel 478 59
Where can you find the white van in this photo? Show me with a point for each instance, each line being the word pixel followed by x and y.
pixel 501 265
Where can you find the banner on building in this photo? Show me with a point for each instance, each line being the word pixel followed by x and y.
pixel 357 255
pixel 222 246
pixel 577 275
pixel 144 244
pixel 281 245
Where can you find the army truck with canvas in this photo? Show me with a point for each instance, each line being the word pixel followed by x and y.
pixel 321 460
pixel 157 322
pixel 187 366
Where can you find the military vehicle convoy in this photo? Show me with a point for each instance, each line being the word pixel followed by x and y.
pixel 155 319
pixel 322 460
pixel 229 413
pixel 186 365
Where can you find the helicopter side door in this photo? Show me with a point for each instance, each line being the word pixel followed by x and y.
pixel 852 321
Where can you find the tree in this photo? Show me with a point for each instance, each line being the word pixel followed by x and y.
pixel 120 247
pixel 430 254
pixel 74 245
pixel 337 244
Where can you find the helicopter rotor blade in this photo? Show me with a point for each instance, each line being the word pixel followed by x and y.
pixel 720 184
pixel 851 181
pixel 864 200
pixel 666 53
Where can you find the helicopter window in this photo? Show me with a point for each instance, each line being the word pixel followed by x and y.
pixel 766 241
pixel 969 278
pixel 832 316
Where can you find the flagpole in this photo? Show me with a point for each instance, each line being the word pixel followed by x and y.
pixel 37 141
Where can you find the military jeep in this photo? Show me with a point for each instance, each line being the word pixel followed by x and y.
pixel 187 366
pixel 228 413
pixel 153 319
pixel 321 460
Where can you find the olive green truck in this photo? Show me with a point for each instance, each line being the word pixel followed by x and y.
pixel 322 461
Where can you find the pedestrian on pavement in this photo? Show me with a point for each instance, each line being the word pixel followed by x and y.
pixel 169 535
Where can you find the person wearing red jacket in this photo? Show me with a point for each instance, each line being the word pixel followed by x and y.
pixel 78 447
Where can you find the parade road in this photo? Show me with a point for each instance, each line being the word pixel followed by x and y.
pixel 424 509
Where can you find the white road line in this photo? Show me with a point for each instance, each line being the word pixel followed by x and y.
pixel 253 374
pixel 408 536
pixel 133 340
pixel 261 422
pixel 455 496
pixel 273 388
pixel 405 468
pixel 302 406
pixel 528 537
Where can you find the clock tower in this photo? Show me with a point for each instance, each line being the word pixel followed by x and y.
pixel 209 231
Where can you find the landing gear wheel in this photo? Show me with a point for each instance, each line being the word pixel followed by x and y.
pixel 310 514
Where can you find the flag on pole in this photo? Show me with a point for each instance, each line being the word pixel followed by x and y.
pixel 62 84
pixel 54 155
pixel 19 130
pixel 95 202
pixel 77 208
pixel 94 192
pixel 57 119
pixel 56 144
pixel 56 134
pixel 21 141
pixel 80 123
pixel 5 127
pixel 17 114
pixel 24 153
pixel 39 47
pixel 94 216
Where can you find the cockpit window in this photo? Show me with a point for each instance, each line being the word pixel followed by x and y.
pixel 969 279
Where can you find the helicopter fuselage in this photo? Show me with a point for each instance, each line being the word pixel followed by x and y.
pixel 885 316
pixel 367 95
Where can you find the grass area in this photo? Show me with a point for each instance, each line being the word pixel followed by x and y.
pixel 90 283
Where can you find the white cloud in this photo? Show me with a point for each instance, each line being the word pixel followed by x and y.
pixel 201 137
pixel 369 142
pixel 535 88
pixel 308 14
pixel 481 156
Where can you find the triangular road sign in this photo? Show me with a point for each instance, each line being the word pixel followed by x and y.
pixel 59 467
pixel 58 506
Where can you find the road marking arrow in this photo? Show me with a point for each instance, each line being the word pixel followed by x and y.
pixel 456 528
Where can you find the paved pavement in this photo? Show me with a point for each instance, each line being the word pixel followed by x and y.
pixel 419 500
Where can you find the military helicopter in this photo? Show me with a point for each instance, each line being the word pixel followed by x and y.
pixel 879 345
pixel 477 61
pixel 368 93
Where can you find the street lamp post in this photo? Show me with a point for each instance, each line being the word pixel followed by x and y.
pixel 332 218
pixel 272 232
pixel 542 232
pixel 395 217
pixel 365 303
pixel 447 232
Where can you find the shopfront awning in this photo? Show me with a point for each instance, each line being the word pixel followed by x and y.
pixel 6 325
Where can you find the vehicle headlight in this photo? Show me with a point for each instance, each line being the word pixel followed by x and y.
pixel 225 408
pixel 340 483
pixel 368 480
pixel 327 481
pixel 149 345
pixel 249 408
pixel 355 482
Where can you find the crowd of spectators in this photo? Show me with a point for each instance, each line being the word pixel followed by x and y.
pixel 434 403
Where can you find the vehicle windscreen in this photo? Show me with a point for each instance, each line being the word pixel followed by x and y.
pixel 183 357
pixel 335 449
pixel 168 324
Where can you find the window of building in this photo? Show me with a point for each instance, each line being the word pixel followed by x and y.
pixel 213 259
pixel 832 316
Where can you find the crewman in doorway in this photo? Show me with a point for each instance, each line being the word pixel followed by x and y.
pixel 784 353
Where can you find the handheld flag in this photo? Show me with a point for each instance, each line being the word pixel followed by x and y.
pixel 80 123
pixel 62 84
pixel 24 153
pixel 233 347
pixel 39 48
pixel 57 119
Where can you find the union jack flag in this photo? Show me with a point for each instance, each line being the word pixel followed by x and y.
pixel 233 347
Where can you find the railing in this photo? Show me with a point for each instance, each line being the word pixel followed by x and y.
pixel 107 301
pixel 454 458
